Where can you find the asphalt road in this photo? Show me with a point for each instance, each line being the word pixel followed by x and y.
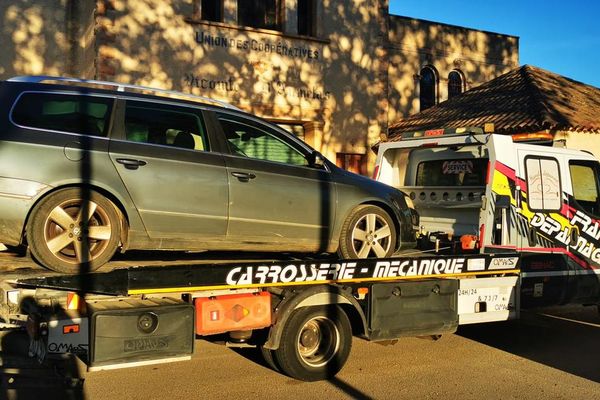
pixel 553 356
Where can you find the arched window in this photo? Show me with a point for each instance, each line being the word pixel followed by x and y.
pixel 427 87
pixel 455 84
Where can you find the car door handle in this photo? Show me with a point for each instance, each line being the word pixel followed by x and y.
pixel 243 176
pixel 130 163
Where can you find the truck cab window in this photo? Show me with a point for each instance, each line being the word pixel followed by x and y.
pixel 584 178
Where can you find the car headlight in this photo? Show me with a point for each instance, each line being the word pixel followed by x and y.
pixel 414 215
pixel 409 202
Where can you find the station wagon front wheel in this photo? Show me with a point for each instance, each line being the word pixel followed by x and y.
pixel 368 232
pixel 74 231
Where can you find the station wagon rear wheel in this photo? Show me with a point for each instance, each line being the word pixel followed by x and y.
pixel 68 234
pixel 368 232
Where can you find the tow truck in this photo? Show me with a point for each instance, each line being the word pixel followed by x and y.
pixel 503 227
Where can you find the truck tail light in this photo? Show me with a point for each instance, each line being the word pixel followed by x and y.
pixel 434 132
pixel 376 172
pixel 236 312
pixel 481 235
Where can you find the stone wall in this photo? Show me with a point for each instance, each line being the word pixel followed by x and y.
pixel 333 82
pixel 578 140
pixel 480 56
pixel 52 37
pixel 344 85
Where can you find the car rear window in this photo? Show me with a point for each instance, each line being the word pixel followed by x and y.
pixel 88 115
pixel 458 172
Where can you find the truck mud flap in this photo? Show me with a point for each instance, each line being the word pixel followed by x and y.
pixel 412 309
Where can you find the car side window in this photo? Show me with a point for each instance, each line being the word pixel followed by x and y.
pixel 86 115
pixel 253 142
pixel 154 123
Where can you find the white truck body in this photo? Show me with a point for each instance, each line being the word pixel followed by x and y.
pixel 538 201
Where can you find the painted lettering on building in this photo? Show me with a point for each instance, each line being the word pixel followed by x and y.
pixel 277 87
pixel 261 46
pixel 223 85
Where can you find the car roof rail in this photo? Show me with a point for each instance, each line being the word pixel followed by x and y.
pixel 121 87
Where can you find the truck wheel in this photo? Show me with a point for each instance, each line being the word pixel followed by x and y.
pixel 56 231
pixel 315 343
pixel 269 357
pixel 368 232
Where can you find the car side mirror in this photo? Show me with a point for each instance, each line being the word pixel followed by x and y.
pixel 316 160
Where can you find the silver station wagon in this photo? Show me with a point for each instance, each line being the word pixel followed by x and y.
pixel 88 167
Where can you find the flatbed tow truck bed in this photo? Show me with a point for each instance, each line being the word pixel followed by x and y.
pixel 15 266
pixel 301 312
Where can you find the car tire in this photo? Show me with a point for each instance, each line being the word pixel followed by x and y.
pixel 315 343
pixel 56 232
pixel 369 231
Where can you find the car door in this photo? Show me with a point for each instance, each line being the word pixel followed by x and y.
pixel 584 206
pixel 546 264
pixel 162 153
pixel 563 193
pixel 277 199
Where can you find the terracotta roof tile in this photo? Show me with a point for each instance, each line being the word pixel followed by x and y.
pixel 527 99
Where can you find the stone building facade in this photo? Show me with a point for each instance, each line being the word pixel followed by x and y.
pixel 335 73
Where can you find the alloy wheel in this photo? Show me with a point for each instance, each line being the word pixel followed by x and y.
pixel 74 237
pixel 371 236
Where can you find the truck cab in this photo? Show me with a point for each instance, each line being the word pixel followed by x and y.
pixel 480 192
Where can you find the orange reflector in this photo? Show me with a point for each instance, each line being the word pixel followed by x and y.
pixel 469 242
pixel 236 312
pixel 73 301
pixel 70 329
pixel 362 292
